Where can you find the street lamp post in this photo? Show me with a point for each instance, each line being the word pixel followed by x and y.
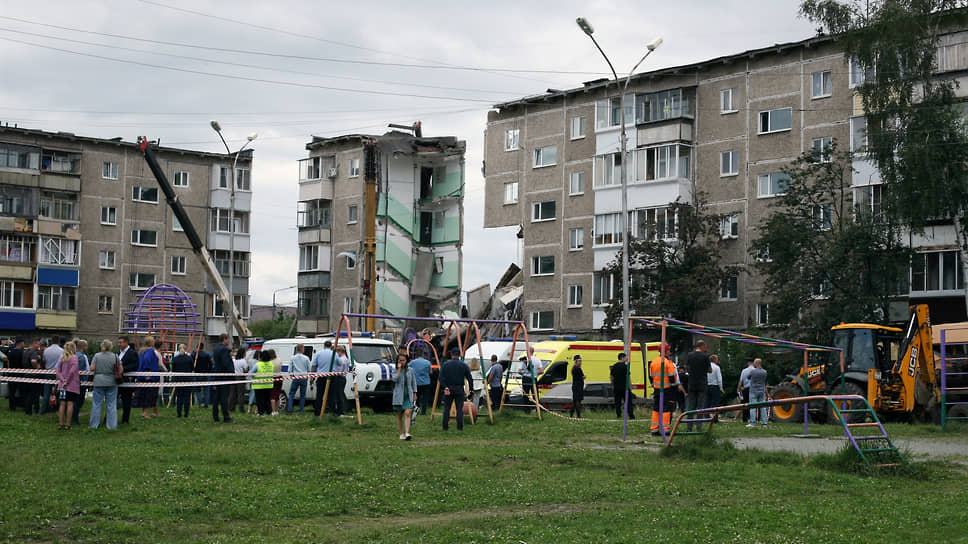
pixel 231 302
pixel 586 27
pixel 274 298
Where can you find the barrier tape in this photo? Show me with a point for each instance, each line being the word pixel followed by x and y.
pixel 9 375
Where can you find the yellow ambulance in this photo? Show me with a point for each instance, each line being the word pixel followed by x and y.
pixel 597 359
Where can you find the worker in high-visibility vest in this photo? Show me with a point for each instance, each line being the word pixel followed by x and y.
pixel 262 383
pixel 665 380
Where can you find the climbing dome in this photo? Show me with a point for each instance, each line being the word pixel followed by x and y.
pixel 167 313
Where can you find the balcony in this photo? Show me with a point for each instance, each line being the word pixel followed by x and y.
pixel 57 162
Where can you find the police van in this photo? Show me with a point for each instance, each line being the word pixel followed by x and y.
pixel 373 362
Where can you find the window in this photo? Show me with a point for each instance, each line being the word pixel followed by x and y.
pixel 144 194
pixel 313 168
pixel 141 237
pixel 222 221
pixel 140 281
pixel 821 289
pixel 176 224
pixel 347 305
pixel 661 106
pixel 542 265
pixel 608 113
pixel 608 229
pixel 608 170
pixel 728 287
pixel 61 206
pixel 544 320
pixel 576 183
pixel 858 134
pixel 59 251
pixel 17 201
pixel 308 258
pixel 543 211
pixel 12 295
pixel 729 226
pixel 240 265
pixel 19 156
pixel 105 304
pixel 762 315
pixel 351 263
pixel 858 74
pixel 662 162
pixel 867 199
pixel 109 170
pixel 729 163
pixel 354 168
pixel 821 148
pixel 774 184
pixel 109 215
pixel 180 179
pixel 728 99
pixel 178 265
pixel 545 156
pixel 56 298
pixel 952 56
pixel 576 239
pixel 313 302
pixel 241 302
pixel 655 224
pixel 937 271
pixel 105 259
pixel 511 192
pixel 821 217
pixel 352 214
pixel 313 213
pixel 776 120
pixel 603 291
pixel 224 175
pixel 512 139
pixel 574 295
pixel 763 255
pixel 242 182
pixel 821 84
pixel 440 219
pixel 577 128
pixel 15 248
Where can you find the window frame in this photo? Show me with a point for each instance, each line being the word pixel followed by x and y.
pixel 826 84
pixel 536 320
pixel 107 259
pixel 576 239
pixel 600 283
pixel 185 175
pixel 137 276
pixel 769 117
pixel 507 185
pixel 110 170
pixel 731 93
pixel 111 211
pixel 354 168
pixel 538 262
pixel 580 133
pixel 179 270
pixel 103 308
pixel 733 155
pixel 538 211
pixel 139 243
pixel 576 175
pixel 762 314
pixel 309 258
pixel 512 139
pixel 729 227
pixel 823 149
pixel 759 185
pixel 729 288
pixel 138 193
pixel 539 154
pixel 57 298
pixel 575 295
pixel 352 214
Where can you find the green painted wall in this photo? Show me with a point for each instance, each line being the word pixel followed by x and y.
pixel 394 257
pixel 448 278
pixel 451 231
pixel 451 184
pixel 400 214
pixel 390 303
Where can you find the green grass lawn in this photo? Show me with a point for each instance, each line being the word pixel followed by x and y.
pixel 300 479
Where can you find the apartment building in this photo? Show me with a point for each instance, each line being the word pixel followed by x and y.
pixel 417 223
pixel 725 128
pixel 84 229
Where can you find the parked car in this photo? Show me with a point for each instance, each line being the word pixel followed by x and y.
pixel 597 395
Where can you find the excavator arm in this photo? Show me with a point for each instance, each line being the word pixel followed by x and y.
pixel 915 362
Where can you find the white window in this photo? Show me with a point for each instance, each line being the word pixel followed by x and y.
pixel 58 205
pixel 109 215
pixel 728 288
pixel 180 179
pixel 310 168
pixel 867 199
pixel 105 304
pixel 821 87
pixel 608 113
pixel 655 224
pixel 178 265
pixel 351 264
pixel 576 239
pixel 661 106
pixel 224 175
pixel 858 134
pixel 763 255
pixel 105 259
pixel 143 237
pixel 354 168
pixel 59 251
pixel 140 281
pixel 352 214
pixel 729 163
pixel 821 148
pixel 662 162
pixel 512 139
pixel 577 128
pixel 16 248
pixel 574 295
pixel 109 170
pixel 937 271
pixel 543 211
pixel 545 156
pixel 729 226
pixel 762 315
pixel 57 298
pixel 821 217
pixel 241 302
pixel 608 170
pixel 347 305
pixel 608 229
pixel 576 183
pixel 603 290
pixel 543 265
pixel 12 295
pixel 728 99
pixel 176 224
pixel 544 320
pixel 858 74
pixel 309 258
pixel 222 221
pixel 774 184
pixel 776 120
pixel 144 194
pixel 511 192
pixel 242 179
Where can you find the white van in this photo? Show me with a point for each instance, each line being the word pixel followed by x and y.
pixel 373 361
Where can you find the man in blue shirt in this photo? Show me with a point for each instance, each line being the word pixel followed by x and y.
pixel 453 374
pixel 421 371
pixel 323 361
pixel 298 364
pixel 52 355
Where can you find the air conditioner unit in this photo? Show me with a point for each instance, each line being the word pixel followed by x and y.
pixel 331 173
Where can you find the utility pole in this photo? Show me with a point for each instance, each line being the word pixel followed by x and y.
pixel 370 161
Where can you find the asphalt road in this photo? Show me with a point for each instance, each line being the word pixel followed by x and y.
pixel 955 450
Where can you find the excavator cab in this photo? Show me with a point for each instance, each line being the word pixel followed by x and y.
pixel 866 347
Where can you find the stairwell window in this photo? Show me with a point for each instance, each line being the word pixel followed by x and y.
pixel 109 215
pixel 762 315
pixel 575 295
pixel 180 179
pixel 821 85
pixel 105 304
pixel 770 185
pixel 729 227
pixel 543 265
pixel 512 139
pixel 728 100
pixel 139 281
pixel 821 148
pixel 577 128
pixel 142 237
pixel 511 192
pixel 109 170
pixel 778 120
pixel 543 211
pixel 728 288
pixel 542 321
pixel 106 259
pixel 178 263
pixel 729 163
pixel 354 168
pixel 545 156
pixel 144 194
pixel 576 183
pixel 352 214
pixel 576 239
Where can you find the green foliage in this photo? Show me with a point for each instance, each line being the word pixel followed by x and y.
pixel 273 328
pixel 829 262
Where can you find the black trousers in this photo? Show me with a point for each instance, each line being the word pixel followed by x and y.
pixel 337 399
pixel 320 390
pixel 77 407
pixel 746 399
pixel 14 394
pixel 183 400
pixel 458 400
pixel 620 403
pixel 125 394
pixel 31 393
pixel 220 398
pixel 263 400
pixel 576 398
pixel 497 393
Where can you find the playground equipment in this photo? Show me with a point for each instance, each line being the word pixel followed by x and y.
pixel 954 369
pixel 167 313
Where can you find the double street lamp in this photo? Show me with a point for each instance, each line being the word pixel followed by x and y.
pixel 586 27
pixel 231 302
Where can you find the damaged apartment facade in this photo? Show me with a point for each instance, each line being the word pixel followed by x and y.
pixel 417 223
pixel 725 128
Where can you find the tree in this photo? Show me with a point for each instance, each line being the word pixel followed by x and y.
pixel 825 261
pixel 915 131
pixel 675 278
pixel 278 327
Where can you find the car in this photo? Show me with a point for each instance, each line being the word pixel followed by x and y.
pixel 597 395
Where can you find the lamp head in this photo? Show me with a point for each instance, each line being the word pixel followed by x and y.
pixel 252 136
pixel 654 44
pixel 215 126
pixel 585 26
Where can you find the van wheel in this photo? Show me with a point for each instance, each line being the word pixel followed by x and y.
pixel 283 401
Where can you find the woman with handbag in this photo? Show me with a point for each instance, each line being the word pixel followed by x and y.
pixel 107 375
pixel 68 385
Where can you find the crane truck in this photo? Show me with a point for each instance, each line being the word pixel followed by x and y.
pixel 193 238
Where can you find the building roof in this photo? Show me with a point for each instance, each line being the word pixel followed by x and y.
pixel 599 83
pixel 399 141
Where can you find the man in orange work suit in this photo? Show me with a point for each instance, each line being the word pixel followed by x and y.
pixel 665 380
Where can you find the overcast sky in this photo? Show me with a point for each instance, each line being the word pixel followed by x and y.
pixel 292 69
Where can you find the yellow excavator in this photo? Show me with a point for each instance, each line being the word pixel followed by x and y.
pixel 895 369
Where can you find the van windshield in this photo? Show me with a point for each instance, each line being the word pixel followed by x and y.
pixel 363 354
